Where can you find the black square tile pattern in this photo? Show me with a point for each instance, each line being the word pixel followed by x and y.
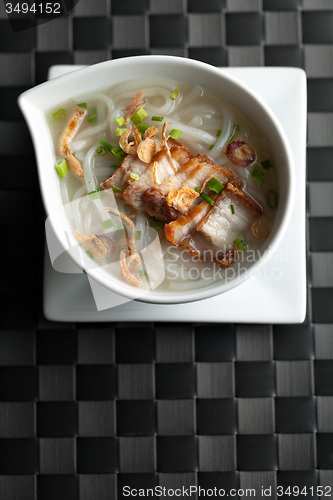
pixel 317 27
pixel 281 4
pixel 136 418
pixel 135 345
pixel 130 7
pixel 295 414
pixel 255 379
pixel 99 28
pixel 257 453
pixel 283 56
pixel 215 343
pixel 18 456
pixel 323 371
pixel 53 487
pixel 244 29
pixel 216 56
pixel 321 229
pixel 293 341
pixel 18 383
pixel 56 419
pixel 176 454
pixel 207 6
pixel 56 347
pixel 318 164
pixel 95 382
pixel 175 380
pixel 216 416
pixel 322 300
pixel 96 455
pixel 220 480
pixel 168 30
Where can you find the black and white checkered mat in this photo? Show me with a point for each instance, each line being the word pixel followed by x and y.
pixel 88 409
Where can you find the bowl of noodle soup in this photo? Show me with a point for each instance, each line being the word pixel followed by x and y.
pixel 165 179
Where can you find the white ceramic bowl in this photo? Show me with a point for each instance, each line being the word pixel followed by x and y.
pixel 35 102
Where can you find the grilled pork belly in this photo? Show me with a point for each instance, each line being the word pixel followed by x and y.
pixel 121 177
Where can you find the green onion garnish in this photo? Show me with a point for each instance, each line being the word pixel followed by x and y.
pixel 121 231
pixel 92 115
pixel 232 208
pixel 120 131
pixel 100 151
pixel 138 235
pixel 272 199
pixel 240 243
pixel 142 127
pixel 59 115
pixel 62 168
pixel 266 164
pixel 82 105
pixel 106 145
pixel 211 147
pixel 93 195
pixel 142 273
pixel 197 189
pixel 173 94
pixel 134 175
pixel 206 198
pixel 116 188
pixel 106 224
pixel 175 134
pixel 215 185
pixel 258 175
pixel 139 116
pixel 157 118
pixel 120 121
pixel 118 153
pixel 89 253
pixel 156 224
pixel 218 133
pixel 234 130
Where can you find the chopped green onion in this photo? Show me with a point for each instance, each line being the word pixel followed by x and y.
pixel 206 198
pixel 89 253
pixel 157 118
pixel 272 199
pixel 120 131
pixel 101 151
pixel 59 115
pixel 232 208
pixel 106 145
pixel 215 185
pixel 173 94
pixel 116 188
pixel 118 153
pixel 82 105
pixel 197 189
pixel 62 168
pixel 234 130
pixel 218 133
pixel 211 147
pixel 139 116
pixel 135 176
pixel 119 121
pixel 175 134
pixel 92 115
pixel 121 231
pixel 94 195
pixel 138 235
pixel 156 224
pixel 258 175
pixel 266 164
pixel 142 273
pixel 142 127
pixel 106 224
pixel 240 243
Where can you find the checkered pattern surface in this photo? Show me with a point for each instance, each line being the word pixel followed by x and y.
pixel 87 409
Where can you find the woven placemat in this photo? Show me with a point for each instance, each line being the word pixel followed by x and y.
pixel 86 410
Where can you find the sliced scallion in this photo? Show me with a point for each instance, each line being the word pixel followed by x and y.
pixel 92 115
pixel 174 94
pixel 106 145
pixel 62 168
pixel 175 134
pixel 118 153
pixel 266 164
pixel 157 118
pixel 258 175
pixel 197 189
pixel 101 152
pixel 234 130
pixel 142 127
pixel 232 208
pixel 215 185
pixel 121 231
pixel 139 116
pixel 59 115
pixel 218 133
pixel 94 195
pixel 211 147
pixel 106 224
pixel 272 199
pixel 116 188
pixel 120 131
pixel 89 253
pixel 206 198
pixel 156 224
pixel 240 243
pixel 82 105
pixel 134 175
pixel 119 121
pixel 138 235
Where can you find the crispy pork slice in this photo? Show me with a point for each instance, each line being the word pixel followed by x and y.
pixel 231 216
pixel 121 177
pixel 176 194
pixel 165 164
pixel 177 230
